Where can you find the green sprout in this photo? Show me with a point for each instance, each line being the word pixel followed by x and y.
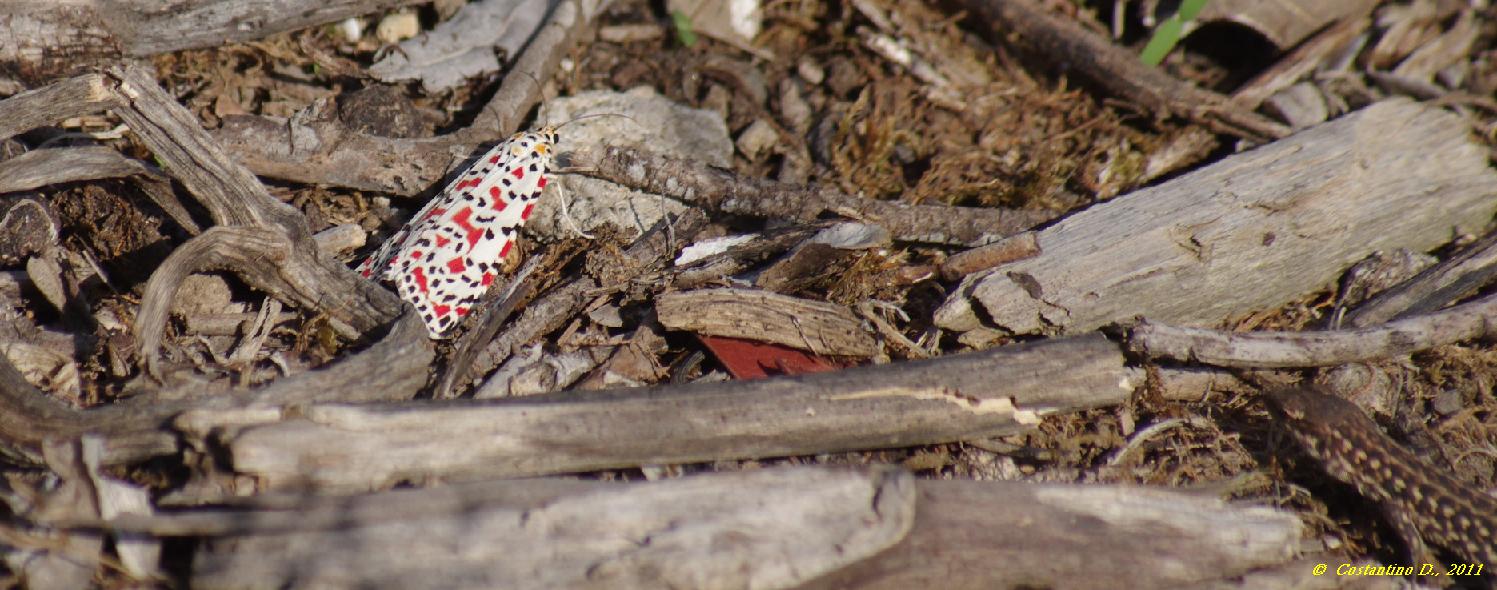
pixel 1168 33
pixel 684 34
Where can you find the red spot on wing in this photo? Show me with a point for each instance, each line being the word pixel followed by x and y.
pixel 415 254
pixel 495 159
pixel 469 183
pixel 420 275
pixel 488 277
pixel 462 311
pixel 441 241
pixel 526 213
pixel 541 183
pixel 366 272
pixel 434 213
pixel 441 310
pixel 518 172
pixel 463 220
pixel 505 250
pixel 456 265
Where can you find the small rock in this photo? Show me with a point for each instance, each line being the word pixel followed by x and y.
pixel 759 137
pixel 27 226
pixel 793 107
pixel 652 122
pixel 734 21
pixel 810 72
pixel 205 294
pixel 845 78
pixel 397 27
pixel 1446 402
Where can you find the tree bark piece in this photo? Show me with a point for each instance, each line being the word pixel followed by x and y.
pixel 1316 349
pixel 972 395
pixel 47 38
pixel 890 530
pixel 321 150
pixel 392 369
pixel 44 106
pixel 721 190
pixel 989 534
pixel 306 277
pixel 816 326
pixel 754 529
pixel 1251 232
pixel 40 168
pixel 1449 280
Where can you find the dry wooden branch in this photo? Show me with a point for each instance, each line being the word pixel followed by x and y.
pixel 865 528
pixel 1316 349
pixel 1449 280
pixel 651 251
pixel 68 98
pixel 320 150
pixel 48 39
pixel 961 396
pixel 40 168
pixel 392 369
pixel 722 190
pixel 1096 60
pixel 1249 233
pixel 306 276
pixel 769 528
pixel 820 327
pixel 1016 247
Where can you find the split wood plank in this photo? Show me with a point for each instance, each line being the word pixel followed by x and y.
pixel 803 527
pixel 963 396
pixel 1249 233
pixel 816 326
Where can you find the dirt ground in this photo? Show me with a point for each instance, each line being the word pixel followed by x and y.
pixel 1023 139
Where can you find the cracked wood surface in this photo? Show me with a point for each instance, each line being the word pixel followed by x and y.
pixel 1249 233
pixel 862 527
pixel 50 38
pixel 956 397
pixel 817 326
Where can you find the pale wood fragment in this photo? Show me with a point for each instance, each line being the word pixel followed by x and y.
pixel 815 326
pixel 754 529
pixel 955 397
pixel 54 38
pixel 1249 233
pixel 870 527
pixel 1316 349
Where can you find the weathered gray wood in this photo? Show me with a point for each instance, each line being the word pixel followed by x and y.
pixel 53 38
pixel 320 150
pixel 816 326
pixel 834 527
pixel 44 106
pixel 973 395
pixel 1316 349
pixel 1249 233
pixel 40 168
pixel 305 276
pixel 135 429
pixel 752 529
pixel 987 534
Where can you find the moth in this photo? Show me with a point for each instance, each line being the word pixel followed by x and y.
pixel 445 257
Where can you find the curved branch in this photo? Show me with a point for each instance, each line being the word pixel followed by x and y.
pixel 1316 349
pixel 211 249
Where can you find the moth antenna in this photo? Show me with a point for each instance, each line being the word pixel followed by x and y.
pixel 594 116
